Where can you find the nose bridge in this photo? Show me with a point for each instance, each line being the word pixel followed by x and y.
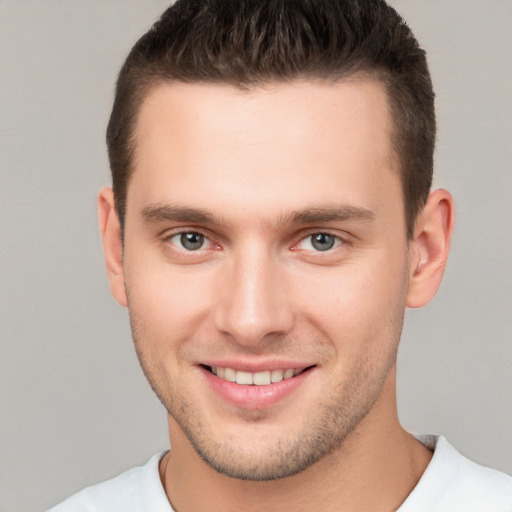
pixel 252 300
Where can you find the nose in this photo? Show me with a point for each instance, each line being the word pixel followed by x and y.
pixel 253 304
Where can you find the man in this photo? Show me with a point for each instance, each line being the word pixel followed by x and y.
pixel 270 220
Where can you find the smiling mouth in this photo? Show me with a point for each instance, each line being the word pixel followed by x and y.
pixel 263 378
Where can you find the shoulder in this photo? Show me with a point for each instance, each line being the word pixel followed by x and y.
pixel 137 489
pixel 454 483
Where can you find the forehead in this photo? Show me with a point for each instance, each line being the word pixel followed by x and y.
pixel 287 144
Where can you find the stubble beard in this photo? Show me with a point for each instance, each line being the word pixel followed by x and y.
pixel 332 421
pixel 284 457
pixel 335 418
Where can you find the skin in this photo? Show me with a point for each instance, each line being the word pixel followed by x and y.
pixel 271 167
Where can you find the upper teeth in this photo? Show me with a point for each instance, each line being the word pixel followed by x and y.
pixel 257 378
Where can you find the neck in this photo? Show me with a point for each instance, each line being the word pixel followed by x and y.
pixel 375 468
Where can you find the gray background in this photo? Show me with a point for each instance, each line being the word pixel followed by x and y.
pixel 74 406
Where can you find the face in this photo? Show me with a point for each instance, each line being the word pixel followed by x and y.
pixel 265 265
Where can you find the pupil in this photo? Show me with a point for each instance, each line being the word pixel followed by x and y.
pixel 192 241
pixel 322 241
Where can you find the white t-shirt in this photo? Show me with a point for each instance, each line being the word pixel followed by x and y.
pixel 451 483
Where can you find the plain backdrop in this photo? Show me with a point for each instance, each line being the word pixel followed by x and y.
pixel 74 406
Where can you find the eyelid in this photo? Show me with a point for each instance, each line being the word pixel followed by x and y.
pixel 170 234
pixel 341 239
pixel 344 239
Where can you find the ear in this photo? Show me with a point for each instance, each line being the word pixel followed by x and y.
pixel 110 229
pixel 428 251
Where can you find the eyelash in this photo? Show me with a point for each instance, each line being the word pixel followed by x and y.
pixel 181 234
pixel 337 241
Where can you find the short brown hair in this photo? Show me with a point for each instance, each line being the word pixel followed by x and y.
pixel 248 43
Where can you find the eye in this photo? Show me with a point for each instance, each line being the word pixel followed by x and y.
pixel 319 242
pixel 190 241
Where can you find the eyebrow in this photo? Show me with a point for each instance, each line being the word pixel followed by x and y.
pixel 329 214
pixel 165 212
pixel 155 213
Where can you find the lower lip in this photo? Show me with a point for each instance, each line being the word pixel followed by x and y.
pixel 254 397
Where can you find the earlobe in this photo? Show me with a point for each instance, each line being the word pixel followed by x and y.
pixel 110 229
pixel 428 251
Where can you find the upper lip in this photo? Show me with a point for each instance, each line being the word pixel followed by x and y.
pixel 257 366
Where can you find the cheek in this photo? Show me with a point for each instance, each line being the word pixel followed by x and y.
pixel 357 306
pixel 167 303
pixel 165 311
